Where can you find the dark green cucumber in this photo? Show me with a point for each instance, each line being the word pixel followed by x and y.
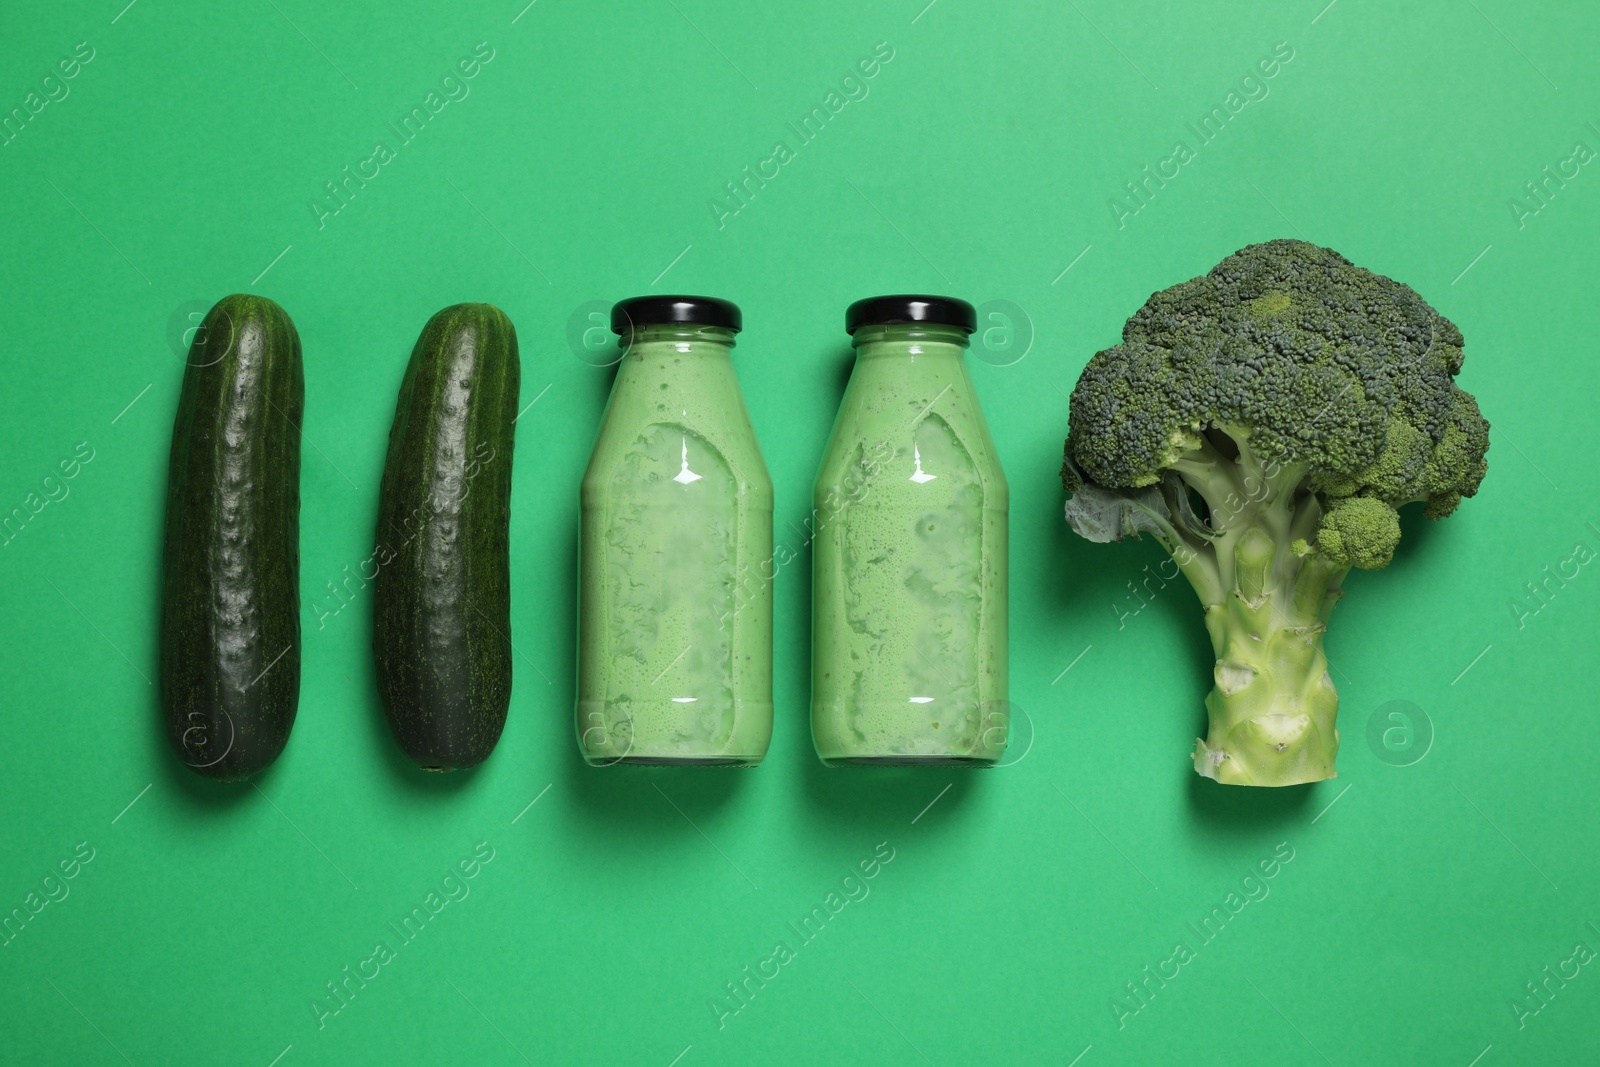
pixel 441 631
pixel 230 610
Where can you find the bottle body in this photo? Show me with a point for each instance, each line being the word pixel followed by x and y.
pixel 909 613
pixel 674 651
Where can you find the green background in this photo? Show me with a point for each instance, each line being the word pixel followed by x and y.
pixel 983 161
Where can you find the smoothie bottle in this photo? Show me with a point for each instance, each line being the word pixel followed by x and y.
pixel 674 636
pixel 909 564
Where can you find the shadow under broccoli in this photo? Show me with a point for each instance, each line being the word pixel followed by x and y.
pixel 1263 422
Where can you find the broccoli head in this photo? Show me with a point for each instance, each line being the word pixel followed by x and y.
pixel 1264 422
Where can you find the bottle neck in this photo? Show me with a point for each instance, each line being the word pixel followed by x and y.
pixel 910 339
pixel 674 337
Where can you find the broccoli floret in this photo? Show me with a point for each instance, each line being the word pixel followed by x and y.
pixel 1264 422
pixel 1359 531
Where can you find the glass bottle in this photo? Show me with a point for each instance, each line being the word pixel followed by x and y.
pixel 909 564
pixel 674 636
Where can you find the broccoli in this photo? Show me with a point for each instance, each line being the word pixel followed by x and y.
pixel 1263 423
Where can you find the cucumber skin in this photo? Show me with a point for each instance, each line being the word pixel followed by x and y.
pixel 442 596
pixel 230 613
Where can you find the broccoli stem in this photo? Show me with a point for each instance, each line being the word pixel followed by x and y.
pixel 1273 706
pixel 1272 710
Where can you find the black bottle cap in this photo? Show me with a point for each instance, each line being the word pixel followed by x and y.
pixel 689 310
pixel 900 310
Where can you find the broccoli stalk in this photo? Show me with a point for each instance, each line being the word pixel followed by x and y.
pixel 1263 423
pixel 1273 706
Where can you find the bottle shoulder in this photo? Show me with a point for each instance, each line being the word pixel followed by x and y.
pixel 922 422
pixel 667 433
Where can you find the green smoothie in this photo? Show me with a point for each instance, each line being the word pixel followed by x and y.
pixel 909 650
pixel 674 649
